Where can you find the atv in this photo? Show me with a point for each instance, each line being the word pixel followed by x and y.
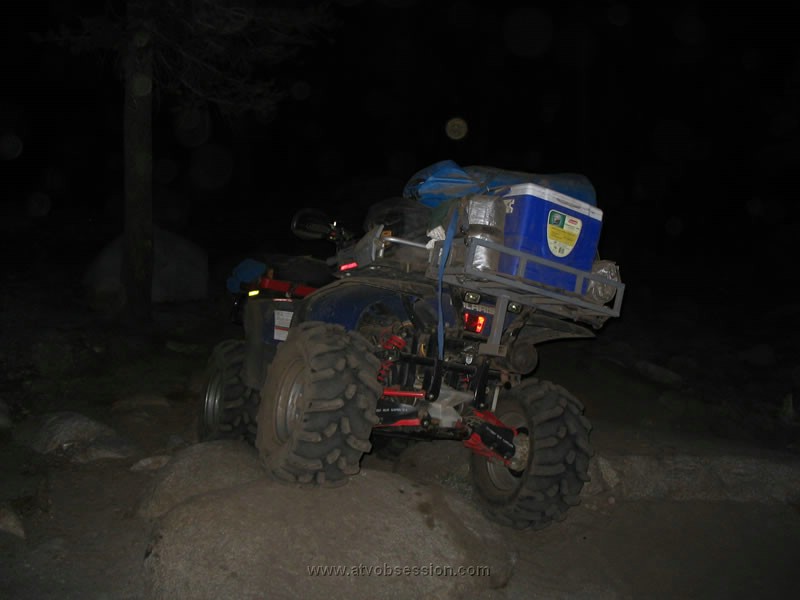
pixel 416 337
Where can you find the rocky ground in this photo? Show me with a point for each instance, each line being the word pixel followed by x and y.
pixel 107 494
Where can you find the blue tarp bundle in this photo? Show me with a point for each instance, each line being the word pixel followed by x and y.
pixel 445 180
pixel 246 271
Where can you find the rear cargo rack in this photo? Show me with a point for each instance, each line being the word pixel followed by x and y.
pixel 571 304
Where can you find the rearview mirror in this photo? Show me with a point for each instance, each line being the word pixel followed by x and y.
pixel 311 224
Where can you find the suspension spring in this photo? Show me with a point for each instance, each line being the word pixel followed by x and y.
pixel 392 342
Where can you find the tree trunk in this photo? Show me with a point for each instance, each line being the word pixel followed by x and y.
pixel 137 255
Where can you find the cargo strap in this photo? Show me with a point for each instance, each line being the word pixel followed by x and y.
pixel 448 244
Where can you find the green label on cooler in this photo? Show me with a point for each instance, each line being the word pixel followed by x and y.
pixel 562 232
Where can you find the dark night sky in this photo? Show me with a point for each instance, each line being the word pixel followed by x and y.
pixel 684 115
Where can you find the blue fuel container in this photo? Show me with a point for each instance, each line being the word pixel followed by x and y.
pixel 553 226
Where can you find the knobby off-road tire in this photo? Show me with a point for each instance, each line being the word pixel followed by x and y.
pixel 544 485
pixel 318 405
pixel 229 407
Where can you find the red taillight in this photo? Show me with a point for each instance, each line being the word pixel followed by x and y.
pixel 474 322
pixel 348 266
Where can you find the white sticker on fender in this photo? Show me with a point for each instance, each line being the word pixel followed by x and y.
pixel 283 319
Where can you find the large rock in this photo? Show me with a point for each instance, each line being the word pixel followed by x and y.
pixel 669 468
pixel 10 521
pixel 684 477
pixel 75 435
pixel 180 272
pixel 387 537
pixel 197 470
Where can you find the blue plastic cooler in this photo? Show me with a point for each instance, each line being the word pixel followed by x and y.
pixel 553 226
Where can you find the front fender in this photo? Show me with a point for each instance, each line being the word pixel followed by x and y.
pixel 540 328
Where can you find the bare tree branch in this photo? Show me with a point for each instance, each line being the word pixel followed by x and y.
pixel 219 51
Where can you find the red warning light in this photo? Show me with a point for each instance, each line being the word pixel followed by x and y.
pixel 348 266
pixel 474 322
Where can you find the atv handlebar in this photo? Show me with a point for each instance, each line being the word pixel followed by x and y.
pixel 313 224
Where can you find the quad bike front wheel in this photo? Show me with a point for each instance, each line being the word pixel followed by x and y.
pixel 318 405
pixel 229 408
pixel 547 473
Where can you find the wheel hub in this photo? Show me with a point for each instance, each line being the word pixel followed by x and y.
pixel 507 477
pixel 522 447
pixel 289 402
pixel 213 398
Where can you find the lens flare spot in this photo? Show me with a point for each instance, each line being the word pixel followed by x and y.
pixel 10 146
pixel 456 128
pixel 674 226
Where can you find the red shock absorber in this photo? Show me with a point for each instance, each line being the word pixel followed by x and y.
pixel 391 342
